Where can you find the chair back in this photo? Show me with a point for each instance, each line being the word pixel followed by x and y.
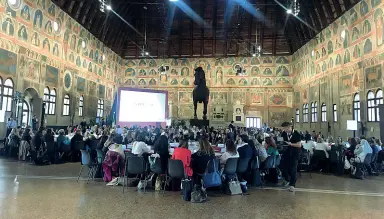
pixel 305 157
pixel 368 159
pixel 242 165
pixel 155 165
pixel 319 155
pixel 85 157
pixel 255 163
pixel 135 165
pixel 230 166
pixel 334 156
pixel 93 144
pixel 176 169
pixel 100 156
pixel 50 147
pixel 78 145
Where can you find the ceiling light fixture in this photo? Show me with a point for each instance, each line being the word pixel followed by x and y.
pixel 55 26
pixel 108 7
pixel 173 0
pixel 289 11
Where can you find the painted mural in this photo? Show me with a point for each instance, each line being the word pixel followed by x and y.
pixel 39 42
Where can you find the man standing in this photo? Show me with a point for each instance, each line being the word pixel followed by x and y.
pixel 231 127
pixel 83 125
pixel 290 159
pixel 11 124
pixel 34 123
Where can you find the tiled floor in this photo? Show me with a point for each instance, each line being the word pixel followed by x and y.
pixel 58 195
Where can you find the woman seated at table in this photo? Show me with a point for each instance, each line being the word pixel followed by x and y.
pixel 201 158
pixel 309 144
pixel 231 152
pixel 109 141
pixel 103 138
pixel 162 149
pixel 243 148
pixel 184 154
pixel 139 147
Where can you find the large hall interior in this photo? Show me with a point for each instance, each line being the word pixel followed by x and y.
pixel 104 103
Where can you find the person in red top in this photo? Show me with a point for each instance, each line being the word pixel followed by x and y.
pixel 184 154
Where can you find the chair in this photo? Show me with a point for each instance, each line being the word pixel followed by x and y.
pixel 305 160
pixel 175 170
pixel 230 166
pixel 134 166
pixel 156 166
pixel 86 161
pixel 242 166
pixel 320 158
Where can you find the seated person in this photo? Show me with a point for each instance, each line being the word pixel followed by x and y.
pixel 231 152
pixel 184 154
pixel 270 146
pixel 309 145
pixel 62 141
pixel 200 159
pixel 361 151
pixel 139 147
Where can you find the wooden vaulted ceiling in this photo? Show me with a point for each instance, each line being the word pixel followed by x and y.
pixel 278 34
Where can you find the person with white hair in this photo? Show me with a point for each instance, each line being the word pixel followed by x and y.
pixel 361 151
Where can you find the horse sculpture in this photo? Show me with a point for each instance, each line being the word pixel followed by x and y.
pixel 201 91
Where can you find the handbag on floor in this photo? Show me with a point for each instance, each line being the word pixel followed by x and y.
pixel 234 187
pixel 357 172
pixel 198 194
pixel 211 179
pixel 186 188
pixel 158 183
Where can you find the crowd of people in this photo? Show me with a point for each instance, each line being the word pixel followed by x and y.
pixel 45 146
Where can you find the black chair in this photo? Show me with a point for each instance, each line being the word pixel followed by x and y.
pixel 134 166
pixel 242 167
pixel 305 161
pixel 156 166
pixel 230 166
pixel 319 160
pixel 175 171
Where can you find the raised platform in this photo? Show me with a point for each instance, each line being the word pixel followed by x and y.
pixel 199 123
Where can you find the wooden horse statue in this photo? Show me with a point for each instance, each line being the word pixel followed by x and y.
pixel 201 91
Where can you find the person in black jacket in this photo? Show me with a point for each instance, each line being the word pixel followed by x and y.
pixel 37 139
pixel 27 136
pixel 162 148
pixel 75 153
pixel 49 140
pixel 201 158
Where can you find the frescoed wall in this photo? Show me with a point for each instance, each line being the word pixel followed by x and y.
pixel 345 59
pixel 42 46
pixel 264 85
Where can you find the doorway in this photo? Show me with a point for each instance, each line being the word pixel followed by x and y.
pixel 253 122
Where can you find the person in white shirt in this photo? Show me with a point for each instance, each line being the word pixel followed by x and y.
pixel 322 146
pixel 231 152
pixel 119 130
pixel 139 147
pixel 309 144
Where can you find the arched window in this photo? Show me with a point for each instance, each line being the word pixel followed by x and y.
pixel 314 112
pixel 334 112
pixel 305 112
pixel 323 112
pixel 25 118
pixel 373 102
pixel 66 105
pixel 50 101
pixel 379 100
pixel 7 95
pixel 356 107
pixel 297 115
pixel 81 105
pixel 100 108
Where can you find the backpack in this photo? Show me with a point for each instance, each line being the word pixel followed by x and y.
pixel 198 195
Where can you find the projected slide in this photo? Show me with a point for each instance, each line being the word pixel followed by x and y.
pixel 141 106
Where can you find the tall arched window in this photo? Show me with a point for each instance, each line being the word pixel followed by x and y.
pixel 50 101
pixel 314 112
pixel 81 105
pixel 7 95
pixel 356 107
pixel 100 108
pixel 334 112
pixel 379 100
pixel 305 112
pixel 373 102
pixel 323 112
pixel 25 118
pixel 66 105
pixel 297 115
